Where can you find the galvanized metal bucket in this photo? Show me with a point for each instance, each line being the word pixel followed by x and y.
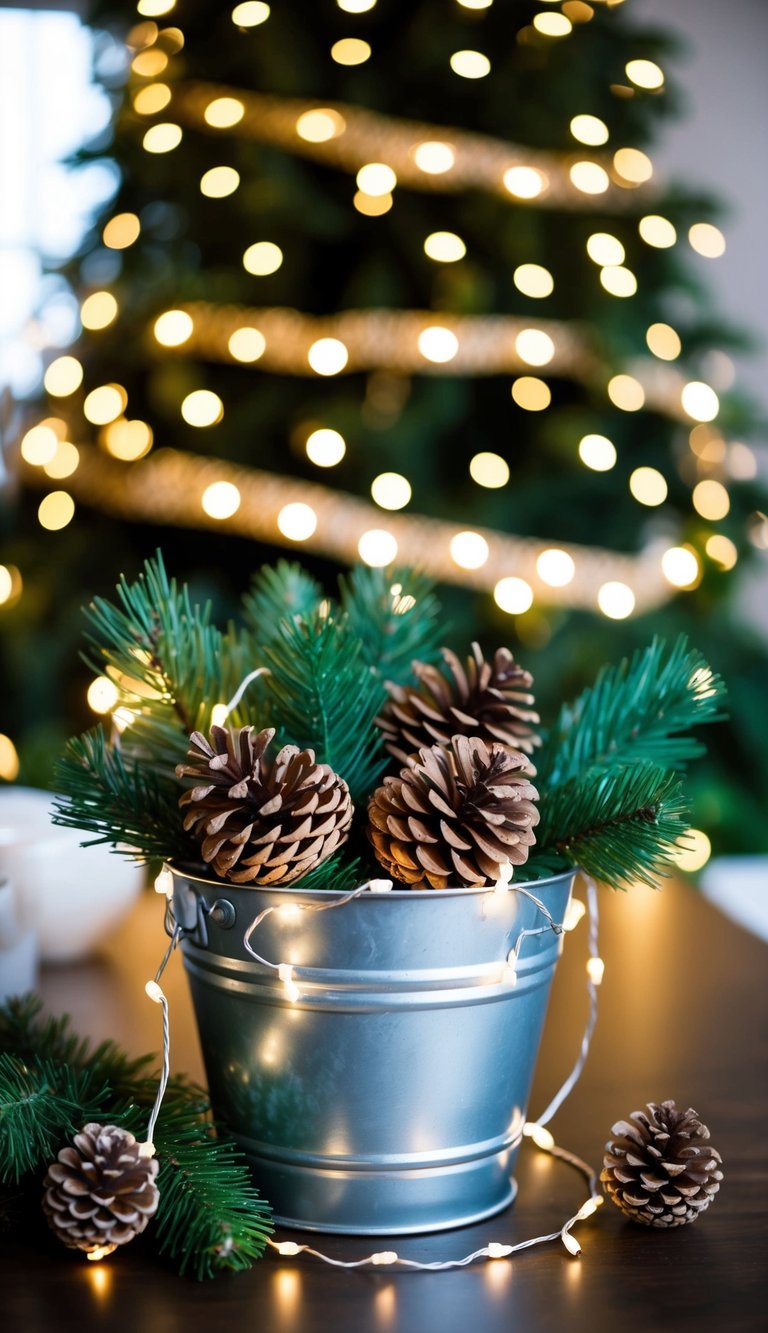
pixel 390 1097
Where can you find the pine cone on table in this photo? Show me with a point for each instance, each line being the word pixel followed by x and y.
pixel 490 700
pixel 101 1191
pixel 659 1169
pixel 455 816
pixel 259 822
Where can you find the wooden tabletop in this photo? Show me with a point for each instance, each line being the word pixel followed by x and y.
pixel 682 1015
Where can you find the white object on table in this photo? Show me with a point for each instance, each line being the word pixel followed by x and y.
pixel 738 885
pixel 71 896
pixel 18 948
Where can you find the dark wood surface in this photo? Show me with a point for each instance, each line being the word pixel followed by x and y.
pixel 682 1015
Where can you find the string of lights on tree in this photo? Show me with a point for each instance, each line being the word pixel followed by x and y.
pixel 384 155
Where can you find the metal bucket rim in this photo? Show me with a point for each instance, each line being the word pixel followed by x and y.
pixel 289 890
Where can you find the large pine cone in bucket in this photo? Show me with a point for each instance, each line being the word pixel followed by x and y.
pixel 491 700
pixel 259 822
pixel 455 816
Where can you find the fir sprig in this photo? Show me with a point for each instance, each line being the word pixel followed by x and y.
pixel 642 709
pixel 620 826
pixel 119 801
pixel 324 696
pixel 278 592
pixel 396 617
pixel 52 1082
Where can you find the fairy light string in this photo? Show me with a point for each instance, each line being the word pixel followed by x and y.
pixel 535 1130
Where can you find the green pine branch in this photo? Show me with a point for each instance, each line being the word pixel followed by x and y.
pixel 42 1104
pixel 210 1215
pixel 164 656
pixel 119 800
pixel 640 710
pixel 324 696
pixel 620 826
pixel 396 617
pixel 279 592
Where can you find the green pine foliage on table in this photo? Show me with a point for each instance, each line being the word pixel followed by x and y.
pixel 210 1217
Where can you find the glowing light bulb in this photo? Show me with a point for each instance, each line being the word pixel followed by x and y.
pixel 534 347
pixel 287 1247
pixel 121 231
pixel 589 130
pixel 262 258
pixel 64 462
pixel 102 694
pixel 589 177
pixel 693 850
pixel 445 247
pixel 469 550
pixel 328 356
pixel 162 138
pixel 250 14
pixel 98 310
pixel 164 882
pixel 476 4
pixel 9 759
pixel 434 158
pixel 597 452
pixel 10 584
pixel 297 521
pixel 552 25
pixel 595 970
pixel 618 281
pixel 525 182
pixel 648 486
pixel 104 404
pixel 722 550
pixel 633 166
pixel 711 500
pixel 657 231
pixel 390 490
pixel 489 470
pixel 616 600
pixel 202 408
pixel 56 511
pixel 470 64
pixel 356 6
pixel 700 401
pixel 533 280
pixel 155 8
pixel 496 1251
pixel 151 99
pixel 438 344
pixel 220 500
pixel 63 376
pixel 224 112
pixel 39 445
pixel 372 206
pixel 663 341
pixel 127 440
pixel 680 566
pixel 173 328
pixel 376 178
pixel 377 548
pixel 154 992
pixel 148 64
pixel 513 595
pixel 540 1135
pixel 644 74
pixel 603 248
pixel 626 393
pixel 532 394
pixel 350 51
pixel 573 914
pixel 325 448
pixel 555 567
pixel 320 125
pixel 247 344
pixel 218 182
pixel 384 1257
pixel 571 1244
pixel 707 240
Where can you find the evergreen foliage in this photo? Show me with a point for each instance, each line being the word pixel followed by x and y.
pixel 396 616
pixel 278 592
pixel 210 1216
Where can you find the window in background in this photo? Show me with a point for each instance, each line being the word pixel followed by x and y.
pixel 48 109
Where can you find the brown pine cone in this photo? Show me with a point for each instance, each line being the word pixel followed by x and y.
pixel 489 700
pixel 259 822
pixel 660 1169
pixel 101 1192
pixel 455 816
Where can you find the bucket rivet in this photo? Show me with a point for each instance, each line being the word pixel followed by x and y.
pixel 222 914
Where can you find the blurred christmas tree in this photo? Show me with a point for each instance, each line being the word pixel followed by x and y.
pixel 394 277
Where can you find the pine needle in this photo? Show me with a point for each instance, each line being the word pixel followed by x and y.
pixel 395 615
